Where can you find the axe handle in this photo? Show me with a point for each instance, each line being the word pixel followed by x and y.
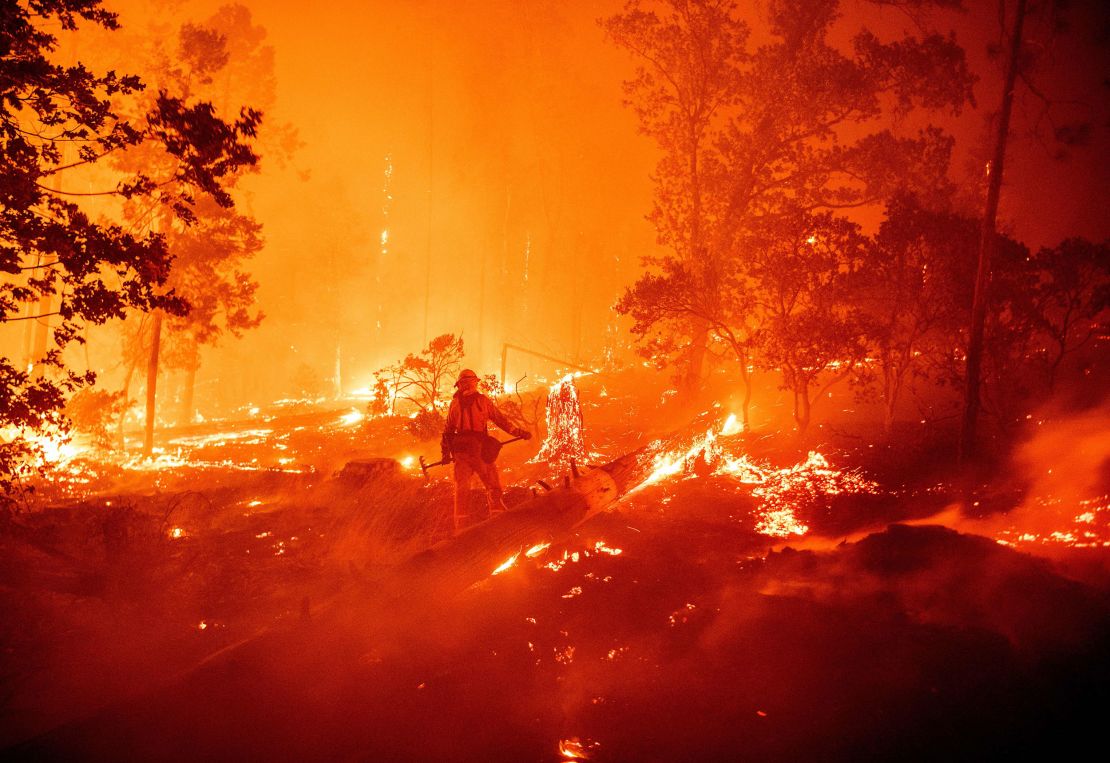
pixel 425 467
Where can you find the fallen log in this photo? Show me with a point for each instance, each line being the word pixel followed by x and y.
pixel 454 565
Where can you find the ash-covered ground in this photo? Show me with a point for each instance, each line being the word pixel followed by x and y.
pixel 827 600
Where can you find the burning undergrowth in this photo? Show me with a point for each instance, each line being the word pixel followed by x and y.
pixel 648 638
pixel 1065 468
pixel 661 628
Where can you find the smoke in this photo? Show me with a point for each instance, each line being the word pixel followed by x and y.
pixel 1063 474
pixel 1067 464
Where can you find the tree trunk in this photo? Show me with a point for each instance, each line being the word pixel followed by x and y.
pixel 29 331
pixel 802 407
pixel 338 371
pixel 152 383
pixel 42 335
pixel 747 399
pixel 126 401
pixel 188 415
pixel 888 413
pixel 987 243
pixel 890 393
pixel 695 359
pixel 746 407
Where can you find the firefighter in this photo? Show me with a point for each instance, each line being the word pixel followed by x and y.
pixel 467 419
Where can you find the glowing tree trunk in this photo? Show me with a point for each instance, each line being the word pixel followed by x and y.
pixel 152 384
pixel 126 404
pixel 188 414
pixel 564 442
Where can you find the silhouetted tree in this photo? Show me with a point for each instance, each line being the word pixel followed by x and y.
pixel 689 75
pixel 913 293
pixel 420 378
pixel 748 135
pixel 51 246
pixel 988 240
pixel 213 240
pixel 209 272
pixel 810 329
pixel 1071 301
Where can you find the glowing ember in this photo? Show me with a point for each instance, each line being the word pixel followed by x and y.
pixel 600 547
pixel 537 549
pixel 1089 528
pixel 351 418
pixel 576 749
pixel 246 436
pixel 177 532
pixel 780 523
pixel 573 557
pixel 408 461
pixel 681 615
pixel 564 440
pixel 506 564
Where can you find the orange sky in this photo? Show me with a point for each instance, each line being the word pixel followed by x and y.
pixel 519 183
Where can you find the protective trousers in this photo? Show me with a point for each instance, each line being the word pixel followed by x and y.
pixel 466 466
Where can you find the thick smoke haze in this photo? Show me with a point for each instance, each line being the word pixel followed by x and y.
pixel 470 168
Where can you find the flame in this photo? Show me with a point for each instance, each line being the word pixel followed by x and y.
pixel 52 445
pixel 1090 527
pixel 601 548
pixel 351 418
pixel 780 523
pixel 177 532
pixel 564 441
pixel 247 436
pixel 537 549
pixel 575 749
pixel 781 491
pixel 670 463
pixel 506 564
pixel 731 426
pixel 573 557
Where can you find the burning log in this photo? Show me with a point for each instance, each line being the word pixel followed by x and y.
pixel 456 564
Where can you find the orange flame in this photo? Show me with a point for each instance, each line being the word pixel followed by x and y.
pixel 506 564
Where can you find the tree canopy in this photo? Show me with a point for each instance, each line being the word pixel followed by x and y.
pixel 56 117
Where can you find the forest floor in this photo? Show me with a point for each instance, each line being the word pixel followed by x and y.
pixel 216 603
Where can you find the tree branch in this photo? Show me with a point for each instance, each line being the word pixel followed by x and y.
pixel 28 317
